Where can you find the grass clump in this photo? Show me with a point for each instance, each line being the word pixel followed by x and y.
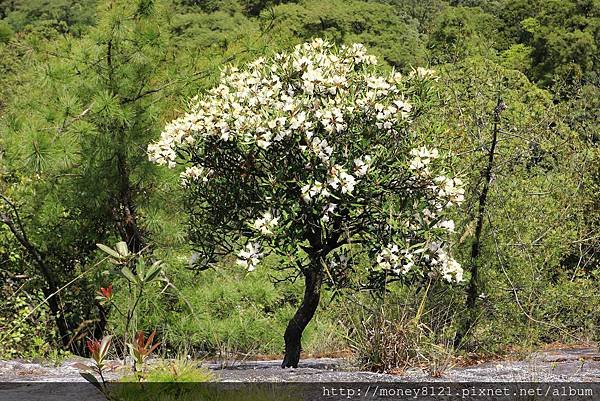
pixel 174 371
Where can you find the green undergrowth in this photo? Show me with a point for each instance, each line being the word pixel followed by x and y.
pixel 228 312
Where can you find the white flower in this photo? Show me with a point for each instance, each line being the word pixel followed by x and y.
pixel 388 258
pixel 339 178
pixel 447 225
pixel 449 268
pixel 450 189
pixel 249 257
pixel 422 157
pixel 193 174
pixel 327 211
pixel 266 223
pixel 318 189
pixel 347 182
pixel 321 148
pixel 361 165
pixel 452 271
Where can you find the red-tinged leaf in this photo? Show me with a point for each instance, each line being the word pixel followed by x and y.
pixel 153 348
pixel 106 292
pixel 139 339
pixel 150 338
pixel 93 346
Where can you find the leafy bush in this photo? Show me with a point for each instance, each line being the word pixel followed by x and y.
pixel 24 330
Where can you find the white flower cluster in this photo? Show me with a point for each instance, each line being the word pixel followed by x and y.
pixel 265 224
pixel 249 257
pixel 194 174
pixel 394 259
pixel 386 115
pixel 339 178
pixel 327 212
pixel 332 120
pixel 449 268
pixel 313 90
pixel 447 225
pixel 450 189
pixel 446 191
pixel 400 261
pixel 315 190
pixel 422 157
pixel 320 147
pixel 176 133
pixel 427 216
pixel 362 165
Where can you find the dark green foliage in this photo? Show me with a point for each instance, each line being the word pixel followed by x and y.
pixel 424 11
pixel 460 32
pixel 388 32
pixel 6 32
pixel 74 149
pixel 563 36
pixel 60 16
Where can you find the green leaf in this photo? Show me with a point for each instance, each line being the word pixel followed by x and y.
pixel 153 272
pixel 141 270
pixel 128 274
pixel 109 250
pixel 122 249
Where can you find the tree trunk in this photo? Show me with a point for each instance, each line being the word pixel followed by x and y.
pixel 127 225
pixel 310 302
pixel 51 290
pixel 473 288
pixel 64 331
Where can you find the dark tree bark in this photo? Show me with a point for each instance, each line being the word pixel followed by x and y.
pixel 51 289
pixel 313 278
pixel 126 216
pixel 124 209
pixel 473 287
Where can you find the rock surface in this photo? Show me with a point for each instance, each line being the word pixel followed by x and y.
pixel 27 381
pixel 573 364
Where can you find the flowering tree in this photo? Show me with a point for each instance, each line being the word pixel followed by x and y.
pixel 307 155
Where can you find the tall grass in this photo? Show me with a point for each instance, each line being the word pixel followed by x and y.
pixel 402 329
